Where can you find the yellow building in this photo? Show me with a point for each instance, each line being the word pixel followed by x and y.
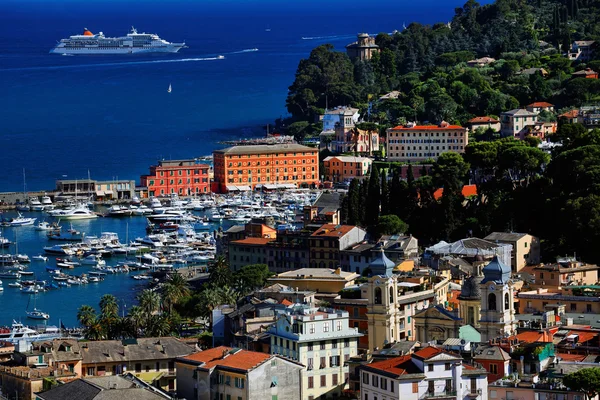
pixel 540 300
pixel 346 168
pixel 320 280
pixel 363 48
pixel 525 248
pixel 563 273
pixel 414 143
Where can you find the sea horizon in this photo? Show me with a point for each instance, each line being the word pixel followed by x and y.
pixel 111 116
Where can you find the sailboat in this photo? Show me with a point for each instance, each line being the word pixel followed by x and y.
pixel 169 90
pixel 24 206
pixel 35 313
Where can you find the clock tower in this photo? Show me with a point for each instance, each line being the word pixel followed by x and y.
pixel 497 301
pixel 382 307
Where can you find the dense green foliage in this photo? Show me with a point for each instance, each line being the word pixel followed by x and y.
pixel 427 65
pixel 519 188
pixel 585 380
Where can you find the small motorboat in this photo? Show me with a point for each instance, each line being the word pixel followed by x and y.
pixel 20 220
pixel 38 314
pixel 46 226
pixel 40 257
pixel 64 284
pixel 26 273
pixel 23 258
pixel 29 289
pixel 15 284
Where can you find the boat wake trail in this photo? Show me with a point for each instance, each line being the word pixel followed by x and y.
pixel 243 51
pixel 327 37
pixel 126 63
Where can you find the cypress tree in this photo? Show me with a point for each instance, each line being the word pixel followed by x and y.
pixel 354 202
pixel 395 195
pixel 385 195
pixel 373 198
pixel 364 190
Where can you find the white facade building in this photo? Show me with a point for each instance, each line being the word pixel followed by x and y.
pixel 430 373
pixel 321 340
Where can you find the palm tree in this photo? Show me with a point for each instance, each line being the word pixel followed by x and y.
pixel 149 301
pixel 109 306
pixel 174 290
pixel 86 315
pixel 158 325
pixel 136 319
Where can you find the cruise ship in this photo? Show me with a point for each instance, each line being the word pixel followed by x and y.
pixel 134 42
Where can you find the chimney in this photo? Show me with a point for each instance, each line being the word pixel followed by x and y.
pixel 338 271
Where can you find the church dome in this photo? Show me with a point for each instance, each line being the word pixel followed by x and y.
pixel 470 289
pixel 382 265
pixel 496 271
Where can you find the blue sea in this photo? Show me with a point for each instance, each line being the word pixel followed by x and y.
pixel 111 116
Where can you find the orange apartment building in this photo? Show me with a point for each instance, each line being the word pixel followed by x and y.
pixel 271 166
pixel 181 177
pixel 413 143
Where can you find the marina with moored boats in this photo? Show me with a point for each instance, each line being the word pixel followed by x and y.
pixel 75 261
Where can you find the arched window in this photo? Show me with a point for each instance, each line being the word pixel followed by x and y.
pixel 391 295
pixel 492 301
pixel 471 316
pixel 377 295
pixel 506 302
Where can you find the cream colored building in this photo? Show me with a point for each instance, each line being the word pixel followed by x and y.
pixel 320 280
pixel 414 143
pixel 363 48
pixel 497 302
pixel 525 248
pixel 320 339
pixel 390 307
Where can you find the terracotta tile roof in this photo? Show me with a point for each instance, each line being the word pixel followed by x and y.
pixel 426 128
pixel 540 104
pixel 534 337
pixel 571 357
pixel 286 302
pixel 428 352
pixel 398 366
pixel 467 190
pixel 243 359
pixel 483 120
pixel 584 336
pixel 332 230
pixel 569 114
pixel 255 241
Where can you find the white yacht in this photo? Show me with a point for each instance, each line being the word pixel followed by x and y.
pixel 18 332
pixel 35 204
pixel 20 220
pixel 134 42
pixel 47 203
pixel 79 212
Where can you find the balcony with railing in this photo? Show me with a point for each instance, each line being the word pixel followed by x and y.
pixel 473 393
pixel 445 394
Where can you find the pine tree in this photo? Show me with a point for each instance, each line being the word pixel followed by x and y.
pixel 373 198
pixel 385 194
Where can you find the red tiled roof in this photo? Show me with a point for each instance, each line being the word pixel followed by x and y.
pixel 534 337
pixel 569 114
pixel 540 104
pixel 398 365
pixel 426 127
pixel 428 352
pixel 332 230
pixel 584 336
pixel 286 302
pixel 251 240
pixel 482 120
pixel 243 360
pixel 467 190
pixel 571 357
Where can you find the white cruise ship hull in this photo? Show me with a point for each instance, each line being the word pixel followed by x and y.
pixel 122 50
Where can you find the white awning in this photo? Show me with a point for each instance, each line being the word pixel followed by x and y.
pixel 244 188
pixel 270 186
pixel 232 188
pixel 107 192
pixel 100 193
